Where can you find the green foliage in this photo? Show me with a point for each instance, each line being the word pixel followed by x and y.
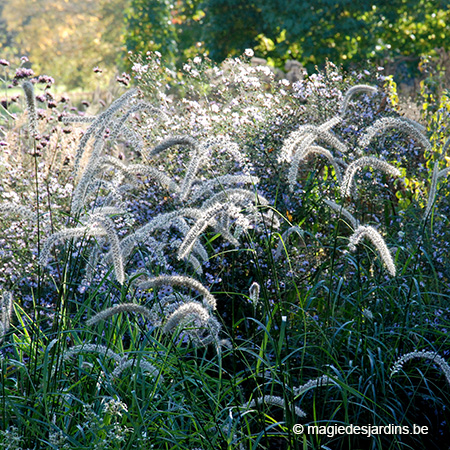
pixel 310 31
pixel 149 27
pixel 173 29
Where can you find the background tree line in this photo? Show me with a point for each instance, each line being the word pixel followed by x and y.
pixel 68 38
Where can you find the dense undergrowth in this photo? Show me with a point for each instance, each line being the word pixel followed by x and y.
pixel 214 258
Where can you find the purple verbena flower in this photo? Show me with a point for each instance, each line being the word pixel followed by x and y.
pixel 22 72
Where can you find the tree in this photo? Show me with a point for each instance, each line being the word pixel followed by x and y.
pixel 313 30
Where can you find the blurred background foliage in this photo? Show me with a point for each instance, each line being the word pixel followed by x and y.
pixel 67 39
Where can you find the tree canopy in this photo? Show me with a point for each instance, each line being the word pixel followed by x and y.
pixel 67 39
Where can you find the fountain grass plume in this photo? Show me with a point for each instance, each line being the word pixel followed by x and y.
pixel 197 159
pixel 343 212
pixel 275 401
pixel 236 196
pixel 120 123
pixel 145 366
pixel 223 202
pixel 165 306
pixel 376 163
pixel 172 141
pixel 202 328
pixel 253 292
pixel 180 281
pixel 207 218
pixel 154 173
pixel 324 380
pixel 30 98
pixel 318 150
pixel 104 222
pixel 86 179
pixel 131 171
pixel 305 135
pixel 117 309
pixel 200 154
pixel 162 222
pixel 375 237
pixel 65 234
pixel 285 237
pixel 78 119
pixel 432 190
pixel 432 356
pixel 443 173
pixel 143 234
pixel 133 139
pixel 7 208
pixel 6 308
pixel 296 146
pixel 206 187
pixel 181 225
pixel 185 313
pixel 99 125
pixel 358 89
pixel 388 123
pixel 92 348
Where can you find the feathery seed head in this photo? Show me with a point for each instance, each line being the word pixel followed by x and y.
pixel 28 88
pixel 360 88
pixel 180 281
pixel 376 163
pixel 433 356
pixel 367 231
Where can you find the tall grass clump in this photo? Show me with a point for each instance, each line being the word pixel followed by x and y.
pixel 218 256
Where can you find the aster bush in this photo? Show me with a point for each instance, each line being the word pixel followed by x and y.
pixel 217 256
